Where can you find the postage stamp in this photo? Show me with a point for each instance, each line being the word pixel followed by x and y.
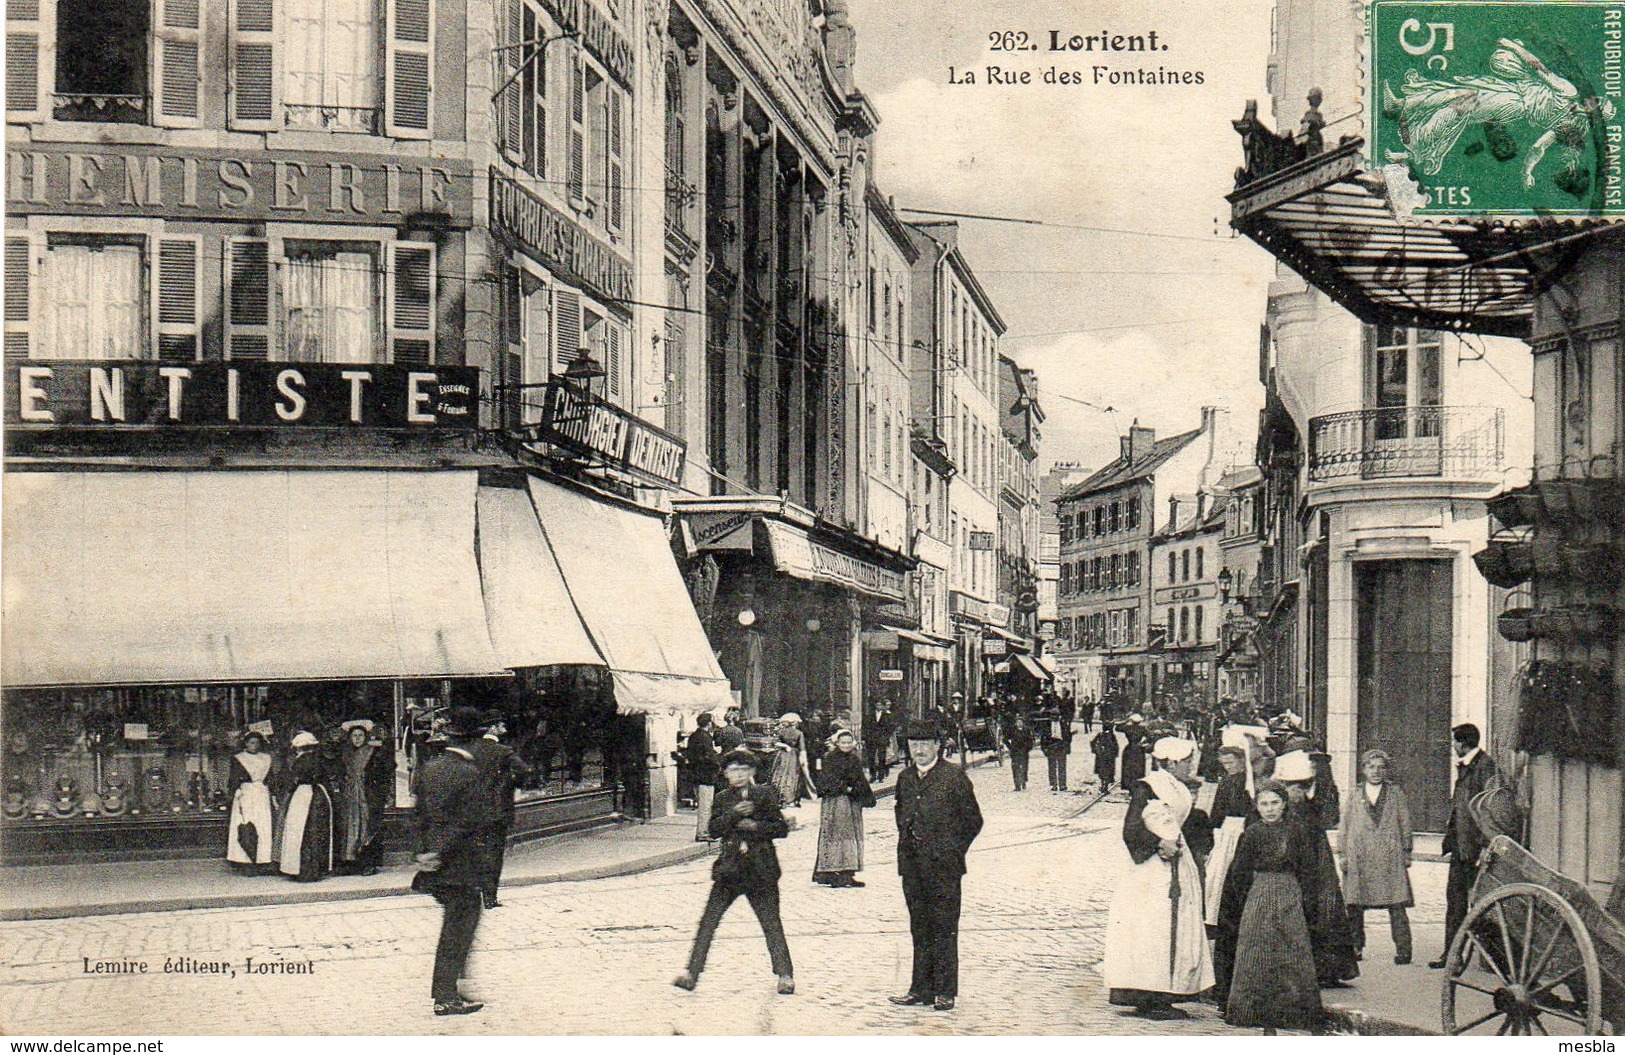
pixel 1500 108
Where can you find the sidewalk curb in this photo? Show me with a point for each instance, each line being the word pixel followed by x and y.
pixel 1364 1024
pixel 305 894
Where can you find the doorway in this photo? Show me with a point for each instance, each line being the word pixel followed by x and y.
pixel 1404 643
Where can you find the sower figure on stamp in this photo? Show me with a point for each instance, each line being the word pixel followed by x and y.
pixel 937 820
pixel 455 816
pixel 747 817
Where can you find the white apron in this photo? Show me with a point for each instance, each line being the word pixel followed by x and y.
pixel 1155 941
pixel 252 805
pixel 1218 864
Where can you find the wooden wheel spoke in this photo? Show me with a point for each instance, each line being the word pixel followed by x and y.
pixel 1536 1023
pixel 1488 959
pixel 1560 1013
pixel 1506 935
pixel 1474 986
pixel 1532 976
pixel 1528 938
pixel 1477 1022
pixel 1506 1027
pixel 1536 988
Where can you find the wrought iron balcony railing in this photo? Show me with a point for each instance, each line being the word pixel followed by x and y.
pixel 97 106
pixel 1455 443
pixel 318 117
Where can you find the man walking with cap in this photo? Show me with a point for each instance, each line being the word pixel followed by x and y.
pixel 747 817
pixel 937 820
pixel 455 815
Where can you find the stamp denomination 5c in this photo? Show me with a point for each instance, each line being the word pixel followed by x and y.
pixel 1501 108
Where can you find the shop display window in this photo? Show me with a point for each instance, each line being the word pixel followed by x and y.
pixel 78 755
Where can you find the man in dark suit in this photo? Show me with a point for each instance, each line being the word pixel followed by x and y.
pixel 1463 841
pixel 701 755
pixel 747 817
pixel 937 820
pixel 501 769
pixel 455 812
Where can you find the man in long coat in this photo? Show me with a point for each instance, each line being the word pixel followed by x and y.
pixel 706 769
pixel 1463 841
pixel 501 770
pixel 455 813
pixel 937 820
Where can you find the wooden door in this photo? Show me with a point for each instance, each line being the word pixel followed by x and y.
pixel 1404 652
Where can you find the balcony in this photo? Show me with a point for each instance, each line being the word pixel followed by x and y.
pixel 1399 443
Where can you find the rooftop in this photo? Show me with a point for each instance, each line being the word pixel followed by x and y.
pixel 1123 471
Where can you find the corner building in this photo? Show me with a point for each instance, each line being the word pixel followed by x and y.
pixel 290 290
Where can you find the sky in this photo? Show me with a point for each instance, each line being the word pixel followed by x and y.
pixel 1154 323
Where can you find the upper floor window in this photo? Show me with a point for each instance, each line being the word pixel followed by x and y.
pixel 1117 517
pixel 1100 521
pixel 1173 566
pixel 91 289
pixel 1198 563
pixel 330 77
pixel 1402 370
pixel 101 59
pixel 73 294
pixel 1133 513
pixel 1185 565
pixel 330 301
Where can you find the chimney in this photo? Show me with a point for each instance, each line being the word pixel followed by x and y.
pixel 1140 441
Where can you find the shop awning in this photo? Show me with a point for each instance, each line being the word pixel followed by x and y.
pixel 1027 663
pixel 1047 663
pixel 532 620
pixel 796 554
pixel 128 578
pixel 620 573
pixel 934 653
pixel 1328 218
pixel 1000 632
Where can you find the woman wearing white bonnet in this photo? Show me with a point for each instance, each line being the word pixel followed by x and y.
pixel 1156 944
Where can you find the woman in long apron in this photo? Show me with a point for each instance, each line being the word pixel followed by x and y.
pixel 307 834
pixel 250 841
pixel 844 794
pixel 1232 803
pixel 1156 944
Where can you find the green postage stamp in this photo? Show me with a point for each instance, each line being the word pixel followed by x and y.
pixel 1500 108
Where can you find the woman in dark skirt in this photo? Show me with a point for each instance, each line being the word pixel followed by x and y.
pixel 368 777
pixel 1330 931
pixel 307 834
pixel 1263 956
pixel 845 794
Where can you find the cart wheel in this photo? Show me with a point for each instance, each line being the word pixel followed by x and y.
pixel 1519 945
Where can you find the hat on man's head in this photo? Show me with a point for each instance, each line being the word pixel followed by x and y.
pixel 490 718
pixel 465 722
pixel 918 730
pixel 740 756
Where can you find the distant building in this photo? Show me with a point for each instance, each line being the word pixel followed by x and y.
pixel 1106 524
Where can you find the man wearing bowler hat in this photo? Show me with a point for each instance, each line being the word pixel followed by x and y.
pixel 937 820
pixel 455 811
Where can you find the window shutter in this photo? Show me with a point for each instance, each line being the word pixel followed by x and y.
pixel 29 40
pixel 255 81
pixel 411 302
pixel 248 299
pixel 21 268
pixel 566 328
pixel 409 68
pixel 612 365
pixel 512 102
pixel 578 132
pixel 175 57
pixel 617 181
pixel 177 292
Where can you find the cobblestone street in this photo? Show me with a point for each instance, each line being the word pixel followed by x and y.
pixel 598 957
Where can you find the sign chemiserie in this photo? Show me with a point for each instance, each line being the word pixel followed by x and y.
pixel 149 181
